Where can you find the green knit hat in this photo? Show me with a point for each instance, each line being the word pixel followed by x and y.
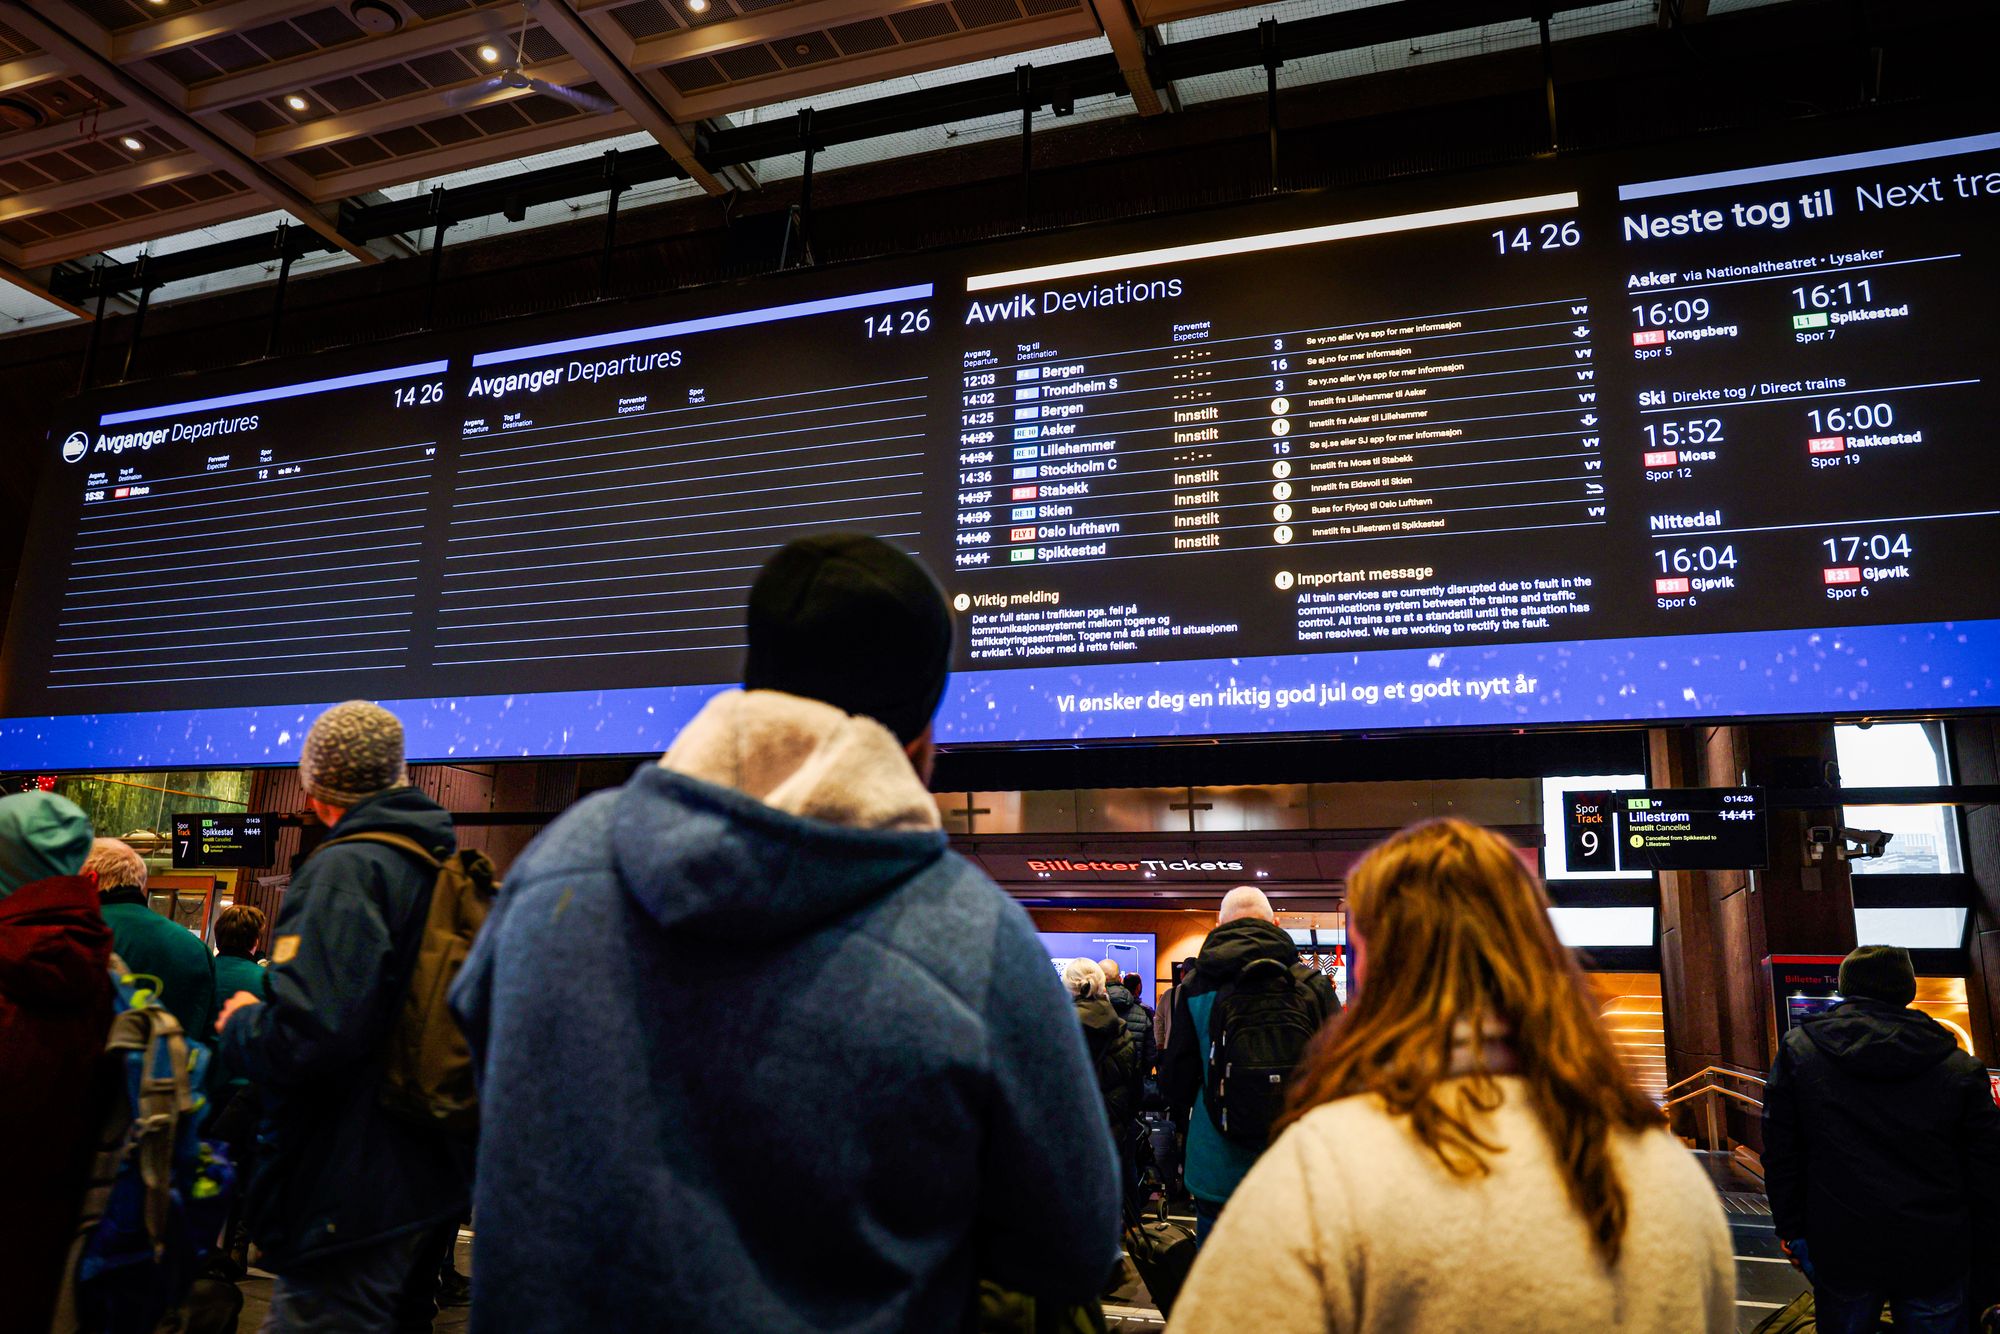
pixel 41 836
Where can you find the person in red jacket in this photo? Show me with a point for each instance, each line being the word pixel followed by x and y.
pixel 55 1010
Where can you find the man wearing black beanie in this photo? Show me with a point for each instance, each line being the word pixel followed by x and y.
pixel 770 1055
pixel 1882 1158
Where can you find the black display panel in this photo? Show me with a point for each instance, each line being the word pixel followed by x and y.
pixel 1699 433
pixel 205 841
pixel 1666 829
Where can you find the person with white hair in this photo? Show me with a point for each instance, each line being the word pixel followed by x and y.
pixel 151 945
pixel 1242 1019
pixel 1112 1054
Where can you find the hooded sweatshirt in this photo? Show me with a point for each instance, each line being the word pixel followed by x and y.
pixel 757 1052
pixel 1882 1149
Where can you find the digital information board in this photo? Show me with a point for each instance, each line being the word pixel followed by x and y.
pixel 1696 434
pixel 203 841
pixel 1134 952
pixel 1666 829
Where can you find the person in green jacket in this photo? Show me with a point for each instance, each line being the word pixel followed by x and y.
pixel 237 933
pixel 152 945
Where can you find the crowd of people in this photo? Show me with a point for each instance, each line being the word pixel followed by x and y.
pixel 754 1050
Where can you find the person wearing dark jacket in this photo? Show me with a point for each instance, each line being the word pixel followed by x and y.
pixel 688 1144
pixel 1113 1055
pixel 1246 930
pixel 346 1196
pixel 55 1010
pixel 1882 1158
pixel 1138 1020
pixel 151 945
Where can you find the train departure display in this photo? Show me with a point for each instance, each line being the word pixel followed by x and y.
pixel 1666 829
pixel 204 841
pixel 1701 433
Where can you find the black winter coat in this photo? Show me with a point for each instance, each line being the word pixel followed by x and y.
pixel 1882 1149
pixel 334 1170
pixel 1138 1022
pixel 1113 1056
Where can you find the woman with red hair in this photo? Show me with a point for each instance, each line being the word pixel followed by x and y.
pixel 1462 1149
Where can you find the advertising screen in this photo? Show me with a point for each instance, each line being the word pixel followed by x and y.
pixel 1696 433
pixel 1134 952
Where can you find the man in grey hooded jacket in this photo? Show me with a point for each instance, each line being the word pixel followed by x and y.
pixel 756 1050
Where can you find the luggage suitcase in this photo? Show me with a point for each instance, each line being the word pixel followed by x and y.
pixel 1163 1252
pixel 1796 1318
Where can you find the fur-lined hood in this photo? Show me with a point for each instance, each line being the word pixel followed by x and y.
pixel 771 815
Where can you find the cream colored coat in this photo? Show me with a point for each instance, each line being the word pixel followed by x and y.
pixel 1350 1226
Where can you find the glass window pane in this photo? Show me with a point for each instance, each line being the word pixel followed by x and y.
pixel 1900 755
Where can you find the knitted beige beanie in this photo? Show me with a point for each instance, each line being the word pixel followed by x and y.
pixel 354 752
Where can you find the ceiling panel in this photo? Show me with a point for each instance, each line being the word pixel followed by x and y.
pixel 274 106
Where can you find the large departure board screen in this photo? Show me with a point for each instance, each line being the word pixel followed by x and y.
pixel 1703 433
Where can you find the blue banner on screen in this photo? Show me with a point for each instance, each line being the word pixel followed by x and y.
pixel 1133 952
pixel 1688 433
pixel 1867 670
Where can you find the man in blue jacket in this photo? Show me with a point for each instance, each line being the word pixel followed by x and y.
pixel 345 1196
pixel 757 1051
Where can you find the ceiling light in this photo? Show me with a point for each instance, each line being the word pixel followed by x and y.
pixel 136 145
pixel 490 54
pixel 295 102
pixel 697 6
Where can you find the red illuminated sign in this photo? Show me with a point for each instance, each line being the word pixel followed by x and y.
pixel 1649 338
pixel 1663 458
pixel 1827 444
pixel 1670 585
pixel 1026 492
pixel 1843 574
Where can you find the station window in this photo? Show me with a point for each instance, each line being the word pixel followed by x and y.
pixel 1926 838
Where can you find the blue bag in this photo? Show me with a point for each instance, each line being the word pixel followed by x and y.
pixel 159 1191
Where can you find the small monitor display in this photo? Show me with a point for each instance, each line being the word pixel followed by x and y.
pixel 1133 950
pixel 1800 1007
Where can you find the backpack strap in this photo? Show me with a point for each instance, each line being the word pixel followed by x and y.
pixel 401 842
pixel 164 1097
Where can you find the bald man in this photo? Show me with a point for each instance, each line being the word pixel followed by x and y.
pixel 1248 973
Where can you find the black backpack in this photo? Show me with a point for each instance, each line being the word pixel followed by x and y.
pixel 1257 1032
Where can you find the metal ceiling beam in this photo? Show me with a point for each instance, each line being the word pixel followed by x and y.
pixel 132 176
pixel 1128 43
pixel 28 71
pixel 19 278
pixel 93 64
pixel 139 231
pixel 479 153
pixel 767 26
pixel 219 18
pixel 793 85
pixel 69 133
pixel 288 76
pixel 619 84
pixel 951 102
pixel 413 110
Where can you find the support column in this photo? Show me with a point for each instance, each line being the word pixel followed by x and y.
pixel 1717 927
pixel 1975 758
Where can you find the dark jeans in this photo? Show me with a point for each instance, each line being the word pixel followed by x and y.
pixel 1205 1215
pixel 360 1292
pixel 1935 1309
